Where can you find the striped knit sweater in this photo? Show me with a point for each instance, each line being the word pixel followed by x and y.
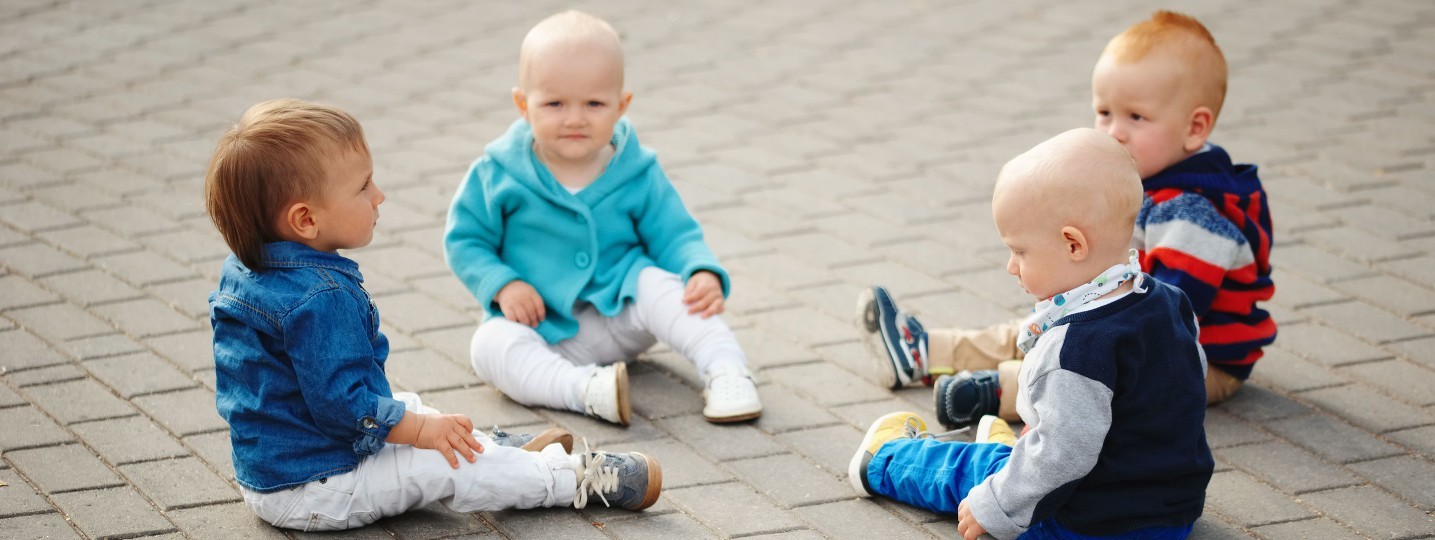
pixel 1204 227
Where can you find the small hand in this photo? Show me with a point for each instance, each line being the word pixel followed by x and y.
pixel 447 433
pixel 967 524
pixel 521 303
pixel 704 294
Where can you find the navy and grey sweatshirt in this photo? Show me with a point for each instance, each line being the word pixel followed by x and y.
pixel 1114 398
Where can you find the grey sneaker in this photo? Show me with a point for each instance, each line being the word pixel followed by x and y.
pixel 534 442
pixel 629 480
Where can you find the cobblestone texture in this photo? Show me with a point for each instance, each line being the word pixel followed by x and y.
pixel 824 146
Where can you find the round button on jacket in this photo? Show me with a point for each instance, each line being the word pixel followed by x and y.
pixel 581 260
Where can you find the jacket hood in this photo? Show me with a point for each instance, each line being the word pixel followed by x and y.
pixel 1209 172
pixel 513 155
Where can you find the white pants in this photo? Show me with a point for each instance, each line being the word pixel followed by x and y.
pixel 400 478
pixel 518 362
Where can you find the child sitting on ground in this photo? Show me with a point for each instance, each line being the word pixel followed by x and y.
pixel 1203 228
pixel 571 237
pixel 320 442
pixel 1111 389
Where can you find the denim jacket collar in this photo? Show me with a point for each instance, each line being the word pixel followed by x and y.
pixel 296 255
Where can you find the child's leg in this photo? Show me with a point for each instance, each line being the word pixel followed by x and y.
pixel 1220 385
pixel 659 311
pixel 400 478
pixel 957 349
pixel 931 474
pixel 518 362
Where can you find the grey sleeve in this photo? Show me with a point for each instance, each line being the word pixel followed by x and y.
pixel 1073 416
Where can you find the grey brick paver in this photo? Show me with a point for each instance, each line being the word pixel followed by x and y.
pixel 126 440
pixel 424 371
pixel 733 509
pixel 112 512
pixel 1406 476
pixel 136 374
pixel 26 427
pixel 720 442
pixel 546 523
pixel 1251 503
pixel 1331 438
pixel 146 317
pixel 17 498
pixel 1327 346
pixel 792 481
pixel 231 520
pixel 659 528
pixel 1373 512
pixel 78 401
pixel 51 526
pixel 1368 409
pixel 69 467
pixel 60 322
pixel 185 412
pixel 91 287
pixel 23 351
pixel 1303 529
pixel 857 518
pixel 15 292
pixel 179 482
pixel 190 350
pixel 37 260
pixel 432 521
pixel 1287 468
pixel 47 375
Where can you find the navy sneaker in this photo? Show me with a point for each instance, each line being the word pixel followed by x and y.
pixel 966 397
pixel 628 480
pixel 895 338
pixel 534 442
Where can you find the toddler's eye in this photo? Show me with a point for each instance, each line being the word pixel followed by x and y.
pixel 1137 117
pixel 552 104
pixel 595 104
pixel 1103 114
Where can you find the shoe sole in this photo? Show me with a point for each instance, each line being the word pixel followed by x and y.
pixel 984 429
pixel 854 467
pixel 739 417
pixel 869 325
pixel 625 407
pixel 655 481
pixel 550 436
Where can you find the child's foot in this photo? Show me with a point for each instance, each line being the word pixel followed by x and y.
pixel 992 429
pixel 731 397
pixel 893 426
pixel 534 442
pixel 895 338
pixel 606 395
pixel 628 480
pixel 966 397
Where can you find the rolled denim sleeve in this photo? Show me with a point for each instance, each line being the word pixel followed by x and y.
pixel 330 339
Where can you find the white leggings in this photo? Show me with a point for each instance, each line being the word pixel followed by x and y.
pixel 518 362
pixel 400 478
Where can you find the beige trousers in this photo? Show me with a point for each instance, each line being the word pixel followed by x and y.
pixel 994 347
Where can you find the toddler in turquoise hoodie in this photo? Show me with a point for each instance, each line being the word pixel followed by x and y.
pixel 578 247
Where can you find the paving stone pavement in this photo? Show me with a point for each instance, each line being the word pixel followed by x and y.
pixel 824 145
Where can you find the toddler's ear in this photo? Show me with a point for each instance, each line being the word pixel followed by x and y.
pixel 1202 120
pixel 624 101
pixel 299 223
pixel 1076 243
pixel 520 101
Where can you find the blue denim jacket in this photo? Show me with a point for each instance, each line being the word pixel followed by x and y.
pixel 299 367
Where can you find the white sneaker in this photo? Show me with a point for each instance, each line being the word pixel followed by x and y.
pixel 606 395
pixel 731 397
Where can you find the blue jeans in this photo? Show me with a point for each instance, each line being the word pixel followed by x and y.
pixel 936 475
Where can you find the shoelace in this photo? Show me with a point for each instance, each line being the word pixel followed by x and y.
pixel 596 478
pixel 911 431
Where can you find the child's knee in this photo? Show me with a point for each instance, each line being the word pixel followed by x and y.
pixel 494 338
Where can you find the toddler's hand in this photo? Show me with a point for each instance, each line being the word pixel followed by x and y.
pixel 967 525
pixel 520 303
pixel 446 433
pixel 704 294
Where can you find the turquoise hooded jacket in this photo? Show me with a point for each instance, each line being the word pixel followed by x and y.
pixel 512 220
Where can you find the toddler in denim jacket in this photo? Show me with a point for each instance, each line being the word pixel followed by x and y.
pixel 320 442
